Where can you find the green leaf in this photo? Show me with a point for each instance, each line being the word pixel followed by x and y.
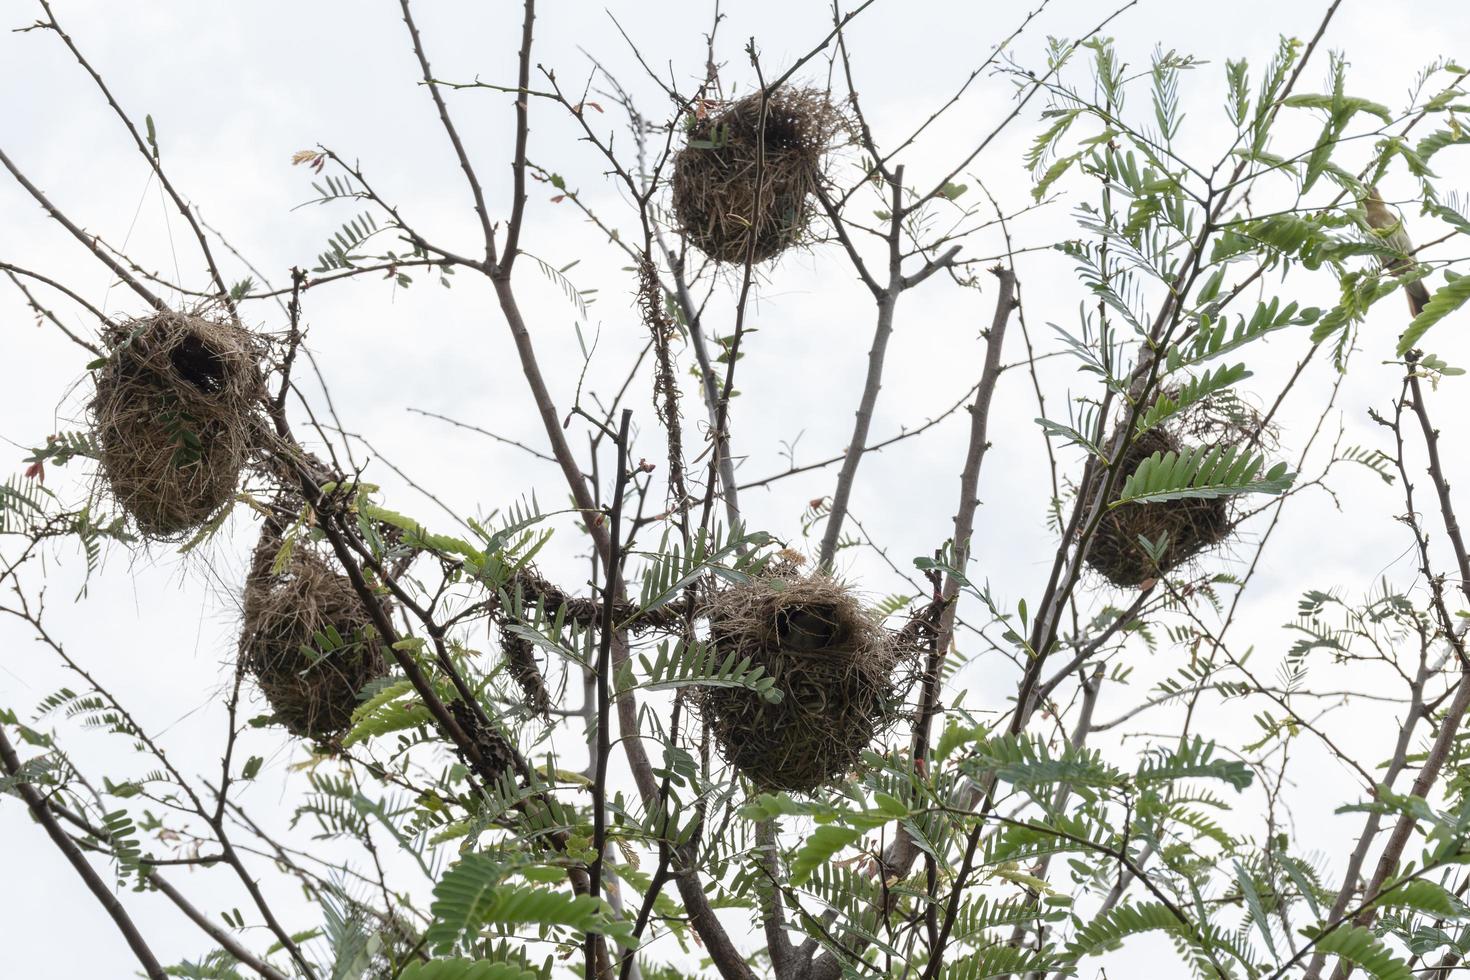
pixel 698 664
pixel 384 712
pixel 1053 174
pixel 999 961
pixel 1446 300
pixel 1438 140
pixel 1422 895
pixel 1108 931
pixel 1361 948
pixel 472 895
pixel 819 848
pixel 1193 761
pixel 1336 104
pixel 1202 473
pixel 467 970
pixel 1195 391
pixel 1253 903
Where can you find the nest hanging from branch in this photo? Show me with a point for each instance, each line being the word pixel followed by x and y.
pixel 717 203
pixel 1188 526
pixel 174 413
pixel 307 640
pixel 833 665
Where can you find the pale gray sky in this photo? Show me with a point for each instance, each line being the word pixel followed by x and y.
pixel 235 89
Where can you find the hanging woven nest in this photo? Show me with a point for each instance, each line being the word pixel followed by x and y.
pixel 1187 526
pixel 173 413
pixel 833 665
pixel 307 640
pixel 730 149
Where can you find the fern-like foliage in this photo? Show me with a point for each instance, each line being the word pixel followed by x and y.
pixel 580 298
pixel 473 895
pixel 1208 949
pixel 1444 301
pixel 390 710
pixel 999 961
pixel 1220 471
pixel 670 570
pixel 23 503
pixel 1192 760
pixel 695 663
pixel 458 969
pixel 1215 336
pixel 1364 950
pixel 343 242
pixel 1027 761
pixel 1195 391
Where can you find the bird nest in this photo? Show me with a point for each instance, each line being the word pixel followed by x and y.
pixel 307 639
pixel 174 414
pixel 1185 526
pixel 833 665
pixel 743 179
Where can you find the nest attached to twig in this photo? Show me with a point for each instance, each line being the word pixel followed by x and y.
pixel 307 640
pixel 833 664
pixel 174 414
pixel 1188 526
pixel 716 200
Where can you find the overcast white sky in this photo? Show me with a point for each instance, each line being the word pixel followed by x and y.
pixel 235 89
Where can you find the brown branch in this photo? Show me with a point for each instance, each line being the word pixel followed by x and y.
pixel 518 166
pixel 226 941
pixel 88 240
pixel 46 312
pixel 151 155
pixel 964 520
pixel 1449 729
pixel 114 908
pixel 459 151
pixel 612 572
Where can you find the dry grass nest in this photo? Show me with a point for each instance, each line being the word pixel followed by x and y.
pixel 307 640
pixel 174 414
pixel 716 200
pixel 833 665
pixel 1189 525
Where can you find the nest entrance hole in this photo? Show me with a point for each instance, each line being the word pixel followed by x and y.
pixel 810 627
pixel 198 364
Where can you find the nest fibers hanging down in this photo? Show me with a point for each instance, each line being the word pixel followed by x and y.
pixel 174 413
pixel 717 203
pixel 833 664
pixel 1188 525
pixel 307 639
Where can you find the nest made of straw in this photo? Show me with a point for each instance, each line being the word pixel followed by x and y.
pixel 1188 525
pixel 833 665
pixel 731 149
pixel 173 414
pixel 307 640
